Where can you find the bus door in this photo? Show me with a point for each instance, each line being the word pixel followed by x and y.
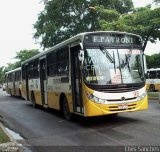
pixel 43 82
pixel 14 83
pixel 76 80
pixel 26 79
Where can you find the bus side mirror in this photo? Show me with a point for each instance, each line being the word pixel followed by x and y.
pixel 81 55
pixel 145 64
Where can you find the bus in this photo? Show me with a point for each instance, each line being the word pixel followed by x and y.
pixel 90 74
pixel 13 82
pixel 153 80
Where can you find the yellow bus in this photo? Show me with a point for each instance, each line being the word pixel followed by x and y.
pixel 153 80
pixel 90 74
pixel 13 82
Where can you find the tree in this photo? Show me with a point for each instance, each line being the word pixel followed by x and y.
pixel 20 56
pixel 62 19
pixel 1 75
pixel 157 1
pixel 153 61
pixel 142 21
pixel 24 55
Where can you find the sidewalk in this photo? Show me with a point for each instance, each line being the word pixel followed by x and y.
pixel 11 146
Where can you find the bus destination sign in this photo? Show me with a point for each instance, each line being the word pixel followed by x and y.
pixel 112 39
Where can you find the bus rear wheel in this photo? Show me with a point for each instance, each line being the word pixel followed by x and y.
pixel 65 108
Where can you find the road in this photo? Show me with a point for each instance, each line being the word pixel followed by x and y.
pixel 41 127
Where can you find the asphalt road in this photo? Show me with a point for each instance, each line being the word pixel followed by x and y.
pixel 45 129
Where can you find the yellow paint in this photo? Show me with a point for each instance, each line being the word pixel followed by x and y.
pixel 53 100
pixel 37 95
pixel 70 103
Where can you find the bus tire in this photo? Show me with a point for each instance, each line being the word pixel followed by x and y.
pixel 33 100
pixel 152 88
pixel 65 109
pixel 20 94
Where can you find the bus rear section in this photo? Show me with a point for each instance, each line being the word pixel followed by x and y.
pixel 13 82
pixel 153 80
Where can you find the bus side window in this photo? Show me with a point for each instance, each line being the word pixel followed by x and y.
pixel 36 68
pixel 152 74
pixel 23 73
pixel 63 61
pixel 158 74
pixel 52 64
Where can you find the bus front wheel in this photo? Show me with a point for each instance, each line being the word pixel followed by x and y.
pixel 65 108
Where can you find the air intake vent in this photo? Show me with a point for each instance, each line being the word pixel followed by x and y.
pixel 118 89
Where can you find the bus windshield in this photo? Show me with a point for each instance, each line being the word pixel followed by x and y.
pixel 104 66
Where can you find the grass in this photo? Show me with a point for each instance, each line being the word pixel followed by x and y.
pixel 3 137
pixel 153 94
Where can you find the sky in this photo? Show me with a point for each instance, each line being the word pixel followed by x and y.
pixel 16 27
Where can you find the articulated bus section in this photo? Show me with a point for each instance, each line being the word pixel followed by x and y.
pixel 13 82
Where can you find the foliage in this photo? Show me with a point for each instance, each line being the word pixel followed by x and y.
pixel 157 1
pixel 142 21
pixel 24 55
pixel 153 61
pixel 62 19
pixel 20 56
pixel 1 75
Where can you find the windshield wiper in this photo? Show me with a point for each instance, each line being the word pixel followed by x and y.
pixel 107 54
pixel 127 61
pixel 109 57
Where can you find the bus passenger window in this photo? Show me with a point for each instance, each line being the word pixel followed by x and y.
pixel 63 62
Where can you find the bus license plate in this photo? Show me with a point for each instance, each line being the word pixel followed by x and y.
pixel 123 107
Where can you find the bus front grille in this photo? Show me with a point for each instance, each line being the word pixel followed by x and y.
pixel 127 99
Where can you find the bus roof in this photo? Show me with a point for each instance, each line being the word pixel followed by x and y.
pixel 156 69
pixel 77 38
pixel 17 69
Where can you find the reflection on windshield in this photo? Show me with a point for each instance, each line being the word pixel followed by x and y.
pixel 113 66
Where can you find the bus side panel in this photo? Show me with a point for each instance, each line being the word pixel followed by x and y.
pixel 24 91
pixel 17 88
pixel 70 102
pixel 53 100
pixel 157 87
pixel 37 95
pixel 10 88
pixel 34 87
pixel 55 88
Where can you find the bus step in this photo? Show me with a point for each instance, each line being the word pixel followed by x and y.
pixel 45 106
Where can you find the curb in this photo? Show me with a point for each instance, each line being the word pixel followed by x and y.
pixel 11 146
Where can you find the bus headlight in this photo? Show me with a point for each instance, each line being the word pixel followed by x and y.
pixel 142 96
pixel 95 99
